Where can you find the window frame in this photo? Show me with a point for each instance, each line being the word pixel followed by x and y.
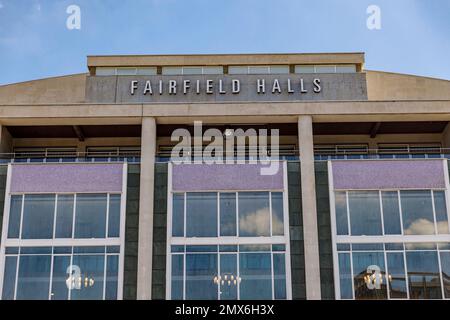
pixel 382 239
pixel 68 242
pixel 228 240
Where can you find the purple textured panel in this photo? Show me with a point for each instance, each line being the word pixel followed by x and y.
pixel 202 177
pixel 385 174
pixel 66 178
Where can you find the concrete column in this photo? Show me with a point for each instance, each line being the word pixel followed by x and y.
pixel 145 250
pixel 308 186
pixel 6 144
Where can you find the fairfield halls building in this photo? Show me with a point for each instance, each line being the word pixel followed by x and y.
pixel 344 195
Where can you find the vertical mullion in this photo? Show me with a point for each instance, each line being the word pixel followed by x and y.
pixel 272 273
pixel 436 231
pixel 399 199
pixel 17 275
pixel 347 205
pixel 54 216
pixel 236 195
pixel 218 274
pixel 380 199
pixel 104 273
pixel 238 271
pixel 73 215
pixel 270 214
pixel 108 199
pixel 218 215
pixel 184 274
pixel 21 216
pixel 405 268
pixel 351 272
pixel 184 214
pixel 50 286
pixel 440 272
pixel 69 297
pixel 20 237
pixel 387 274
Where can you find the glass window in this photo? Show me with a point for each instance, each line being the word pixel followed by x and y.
pixel 277 214
pixel 146 71
pixel 200 271
pixel 228 214
pixel 423 275
pixel 14 217
pixel 279 272
pixel 369 272
pixel 445 266
pixel 213 70
pixel 112 274
pixel 178 215
pixel 258 70
pixel 279 70
pixel 255 271
pixel 91 278
pixel 172 71
pixel 304 69
pixel 9 278
pixel 441 212
pixel 341 213
pixel 114 216
pixel 228 274
pixel 177 276
pixel 254 214
pixel 396 275
pixel 38 216
pixel 325 69
pixel 60 290
pixel 126 71
pixel 365 214
pixel 201 214
pixel 90 217
pixel 33 280
pixel 105 71
pixel 345 276
pixel 417 210
pixel 391 212
pixel 192 70
pixel 237 70
pixel 64 216
pixel 346 69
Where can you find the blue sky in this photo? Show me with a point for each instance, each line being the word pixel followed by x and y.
pixel 35 43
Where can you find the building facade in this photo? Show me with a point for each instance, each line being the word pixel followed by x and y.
pixel 348 199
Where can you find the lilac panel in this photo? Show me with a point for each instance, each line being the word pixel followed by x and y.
pixel 202 177
pixel 66 178
pixel 385 174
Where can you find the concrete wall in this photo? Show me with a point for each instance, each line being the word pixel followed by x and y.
pixel 394 86
pixel 296 232
pixel 67 89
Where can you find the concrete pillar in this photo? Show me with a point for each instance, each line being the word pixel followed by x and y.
pixel 308 186
pixel 6 144
pixel 145 249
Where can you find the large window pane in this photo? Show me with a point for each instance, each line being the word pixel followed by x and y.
pixel 90 217
pixel 201 215
pixel 345 276
pixel 228 214
pixel 279 272
pixel 417 210
pixel 254 214
pixel 228 273
pixel 423 275
pixel 391 212
pixel 114 216
pixel 60 290
pixel 445 266
pixel 200 272
pixel 178 215
pixel 396 275
pixel 365 214
pixel 92 269
pixel 277 214
pixel 177 276
pixel 341 213
pixel 38 216
pixel 9 278
pixel 441 212
pixel 14 217
pixel 64 216
pixel 369 275
pixel 34 278
pixel 256 274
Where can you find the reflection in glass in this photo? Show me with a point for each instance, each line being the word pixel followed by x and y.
pixel 90 217
pixel 112 273
pixel 200 272
pixel 14 217
pixel 396 275
pixel 64 216
pixel 391 212
pixel 279 272
pixel 441 212
pixel 256 275
pixel 423 275
pixel 178 215
pixel 201 214
pixel 369 275
pixel 345 276
pixel 341 213
pixel 9 278
pixel 38 216
pixel 228 270
pixel 445 266
pixel 277 214
pixel 34 277
pixel 228 214
pixel 92 267
pixel 114 216
pixel 254 214
pixel 177 276
pixel 365 214
pixel 60 275
pixel 417 210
